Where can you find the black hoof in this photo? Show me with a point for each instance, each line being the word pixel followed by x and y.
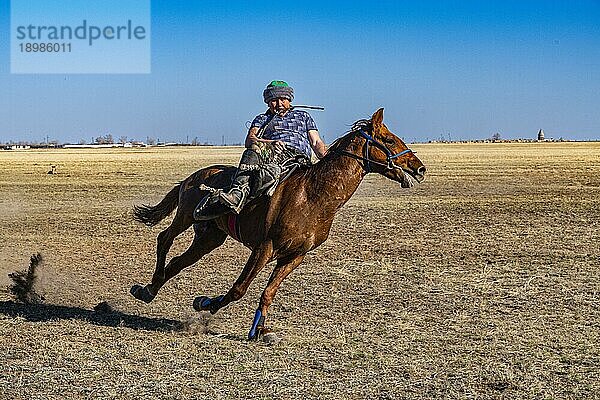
pixel 254 338
pixel 204 303
pixel 201 303
pixel 258 334
pixel 141 293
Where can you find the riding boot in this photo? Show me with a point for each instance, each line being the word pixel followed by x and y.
pixel 219 203
pixel 210 207
pixel 236 197
pixel 239 191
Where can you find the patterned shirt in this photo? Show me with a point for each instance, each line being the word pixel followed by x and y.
pixel 292 129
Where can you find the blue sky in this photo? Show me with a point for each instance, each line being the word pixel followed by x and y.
pixel 463 70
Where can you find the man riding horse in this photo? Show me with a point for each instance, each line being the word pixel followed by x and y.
pixel 296 220
pixel 279 135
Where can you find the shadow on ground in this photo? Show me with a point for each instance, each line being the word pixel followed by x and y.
pixel 48 312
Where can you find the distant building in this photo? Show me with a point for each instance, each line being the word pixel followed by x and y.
pixel 17 147
pixel 541 135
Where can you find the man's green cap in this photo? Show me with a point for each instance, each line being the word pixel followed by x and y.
pixel 279 83
pixel 278 89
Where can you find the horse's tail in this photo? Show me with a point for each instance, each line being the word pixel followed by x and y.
pixel 150 215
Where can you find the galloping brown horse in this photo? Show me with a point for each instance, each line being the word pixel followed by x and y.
pixel 294 221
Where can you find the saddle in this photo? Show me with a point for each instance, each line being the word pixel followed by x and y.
pixel 266 177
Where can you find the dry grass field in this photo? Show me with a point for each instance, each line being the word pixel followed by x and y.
pixel 482 282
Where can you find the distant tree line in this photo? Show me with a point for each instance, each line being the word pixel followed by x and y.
pixel 107 139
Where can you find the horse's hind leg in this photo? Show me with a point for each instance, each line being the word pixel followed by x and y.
pixel 284 267
pixel 164 241
pixel 207 238
pixel 260 256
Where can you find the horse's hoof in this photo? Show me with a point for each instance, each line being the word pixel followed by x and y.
pixel 202 303
pixel 262 334
pixel 142 293
pixel 258 326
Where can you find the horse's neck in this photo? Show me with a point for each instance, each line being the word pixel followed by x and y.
pixel 336 178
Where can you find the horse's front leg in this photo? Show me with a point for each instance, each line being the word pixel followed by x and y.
pixel 284 267
pixel 258 259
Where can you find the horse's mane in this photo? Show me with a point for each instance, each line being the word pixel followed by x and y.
pixel 320 170
pixel 356 126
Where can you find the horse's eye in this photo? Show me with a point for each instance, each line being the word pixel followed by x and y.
pixel 388 141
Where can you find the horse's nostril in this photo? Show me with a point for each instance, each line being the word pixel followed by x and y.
pixel 421 170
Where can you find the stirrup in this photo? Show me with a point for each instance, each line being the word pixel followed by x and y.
pixel 210 207
pixel 230 200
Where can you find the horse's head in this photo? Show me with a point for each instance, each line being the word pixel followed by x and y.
pixel 385 153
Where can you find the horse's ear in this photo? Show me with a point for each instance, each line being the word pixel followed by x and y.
pixel 377 118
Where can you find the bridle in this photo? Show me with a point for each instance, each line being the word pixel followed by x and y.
pixel 371 141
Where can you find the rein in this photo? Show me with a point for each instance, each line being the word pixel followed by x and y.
pixel 371 141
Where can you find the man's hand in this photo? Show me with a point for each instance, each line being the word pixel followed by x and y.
pixel 251 137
